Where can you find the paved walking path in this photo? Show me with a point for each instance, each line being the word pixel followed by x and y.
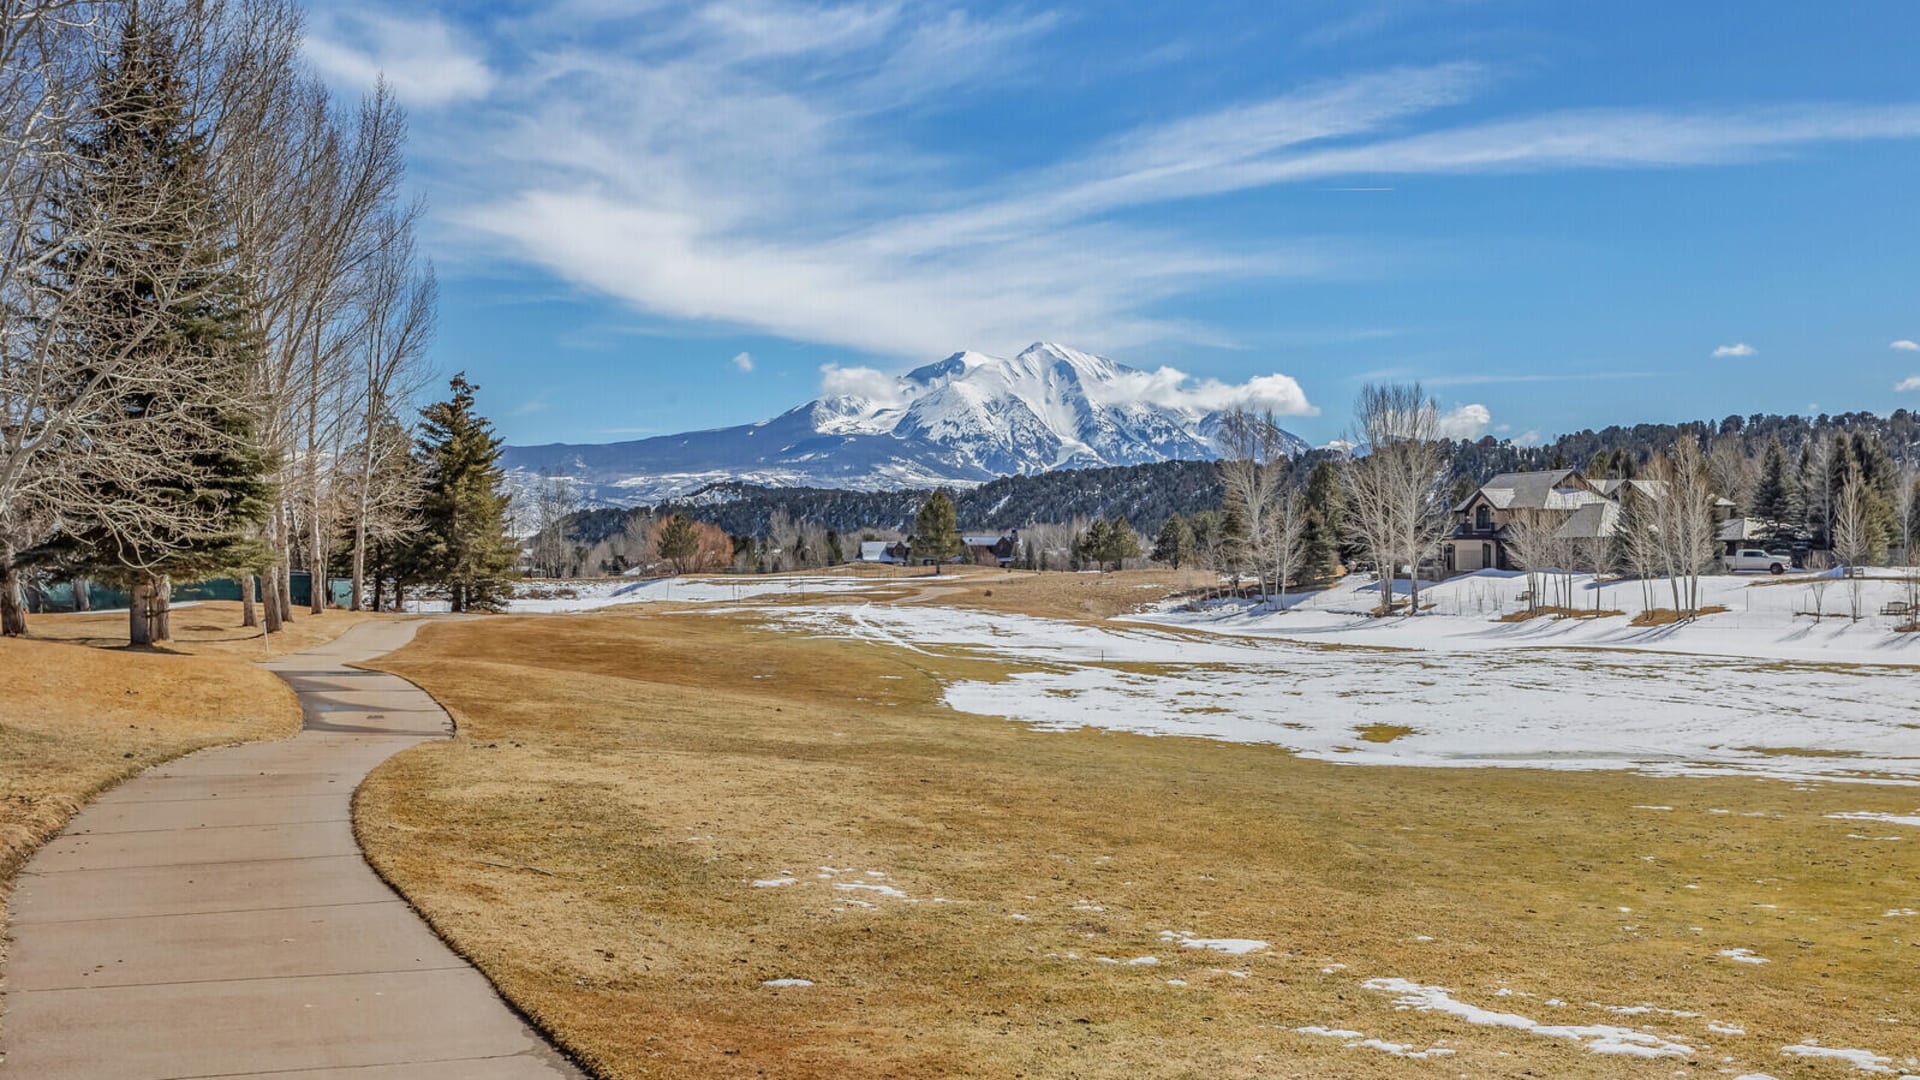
pixel 213 917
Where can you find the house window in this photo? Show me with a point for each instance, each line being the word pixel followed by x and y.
pixel 1483 517
pixel 1486 556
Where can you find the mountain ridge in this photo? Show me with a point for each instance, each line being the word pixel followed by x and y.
pixel 961 421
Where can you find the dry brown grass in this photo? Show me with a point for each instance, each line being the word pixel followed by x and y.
pixel 1668 616
pixel 78 715
pixel 1530 614
pixel 618 781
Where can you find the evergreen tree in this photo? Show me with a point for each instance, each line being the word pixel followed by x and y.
pixel 463 545
pixel 1174 545
pixel 1092 545
pixel 1122 542
pixel 835 553
pixel 677 543
pixel 936 530
pixel 1324 509
pixel 1235 543
pixel 1776 496
pixel 160 293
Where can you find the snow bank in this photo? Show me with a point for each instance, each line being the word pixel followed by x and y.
pixel 1561 708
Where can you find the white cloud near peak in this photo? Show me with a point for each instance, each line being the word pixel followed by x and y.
pixel 1741 349
pixel 1905 345
pixel 1166 387
pixel 743 361
pixel 1466 422
pixel 1911 382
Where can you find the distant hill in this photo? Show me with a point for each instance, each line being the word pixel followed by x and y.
pixel 964 421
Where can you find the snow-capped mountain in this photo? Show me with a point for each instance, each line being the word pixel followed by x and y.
pixel 964 420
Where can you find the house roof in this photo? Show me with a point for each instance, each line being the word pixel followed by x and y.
pixel 982 541
pixel 1550 489
pixel 1594 521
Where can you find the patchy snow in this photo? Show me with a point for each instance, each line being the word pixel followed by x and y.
pixel 1570 708
pixel 1597 1038
pixel 543 597
pixel 1744 956
pixel 1357 1040
pixel 787 982
pixel 1230 946
pixel 883 890
pixel 1864 1060
pixel 774 883
pixel 1868 815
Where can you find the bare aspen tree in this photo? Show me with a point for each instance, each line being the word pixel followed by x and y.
pixel 1853 533
pixel 1684 522
pixel 1531 541
pixel 1251 478
pixel 1395 496
pixel 396 318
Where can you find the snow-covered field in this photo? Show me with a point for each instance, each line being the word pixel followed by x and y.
pixel 1765 618
pixel 1583 696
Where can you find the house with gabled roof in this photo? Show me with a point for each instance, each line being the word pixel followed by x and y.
pixel 1585 509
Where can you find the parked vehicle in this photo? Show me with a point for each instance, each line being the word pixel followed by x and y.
pixel 1753 560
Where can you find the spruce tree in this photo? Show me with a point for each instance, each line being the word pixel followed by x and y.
pixel 463 546
pixel 1325 512
pixel 936 530
pixel 158 293
pixel 1776 496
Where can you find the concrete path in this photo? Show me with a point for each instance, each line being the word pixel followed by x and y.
pixel 213 917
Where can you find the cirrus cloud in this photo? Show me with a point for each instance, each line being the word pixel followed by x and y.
pixel 1741 349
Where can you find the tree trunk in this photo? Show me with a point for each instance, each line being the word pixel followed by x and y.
pixel 359 574
pixel 82 597
pixel 283 580
pixel 13 598
pixel 249 615
pixel 163 609
pixel 139 629
pixel 317 566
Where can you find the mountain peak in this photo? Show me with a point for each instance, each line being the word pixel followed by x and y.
pixel 963 420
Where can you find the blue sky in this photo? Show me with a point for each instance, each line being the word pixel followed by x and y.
pixel 656 216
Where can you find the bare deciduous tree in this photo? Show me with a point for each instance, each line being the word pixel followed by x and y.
pixel 1396 498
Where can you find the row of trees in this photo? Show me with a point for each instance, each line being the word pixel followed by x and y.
pixel 213 318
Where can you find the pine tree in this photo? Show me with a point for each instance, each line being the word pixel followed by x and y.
pixel 677 543
pixel 1776 496
pixel 463 545
pixel 1174 545
pixel 1122 542
pixel 159 293
pixel 936 530
pixel 1325 511
pixel 1235 543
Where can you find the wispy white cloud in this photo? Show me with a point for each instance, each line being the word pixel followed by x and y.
pixel 1904 345
pixel 1529 437
pixel 1466 422
pixel 529 408
pixel 1741 349
pixel 422 58
pixel 1491 378
pixel 738 164
pixel 1911 382
pixel 1166 386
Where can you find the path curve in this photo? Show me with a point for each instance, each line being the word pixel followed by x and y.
pixel 214 917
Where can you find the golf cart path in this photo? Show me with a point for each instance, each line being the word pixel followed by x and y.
pixel 214 916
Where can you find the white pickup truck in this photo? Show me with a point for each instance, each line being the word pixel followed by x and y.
pixel 1754 560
